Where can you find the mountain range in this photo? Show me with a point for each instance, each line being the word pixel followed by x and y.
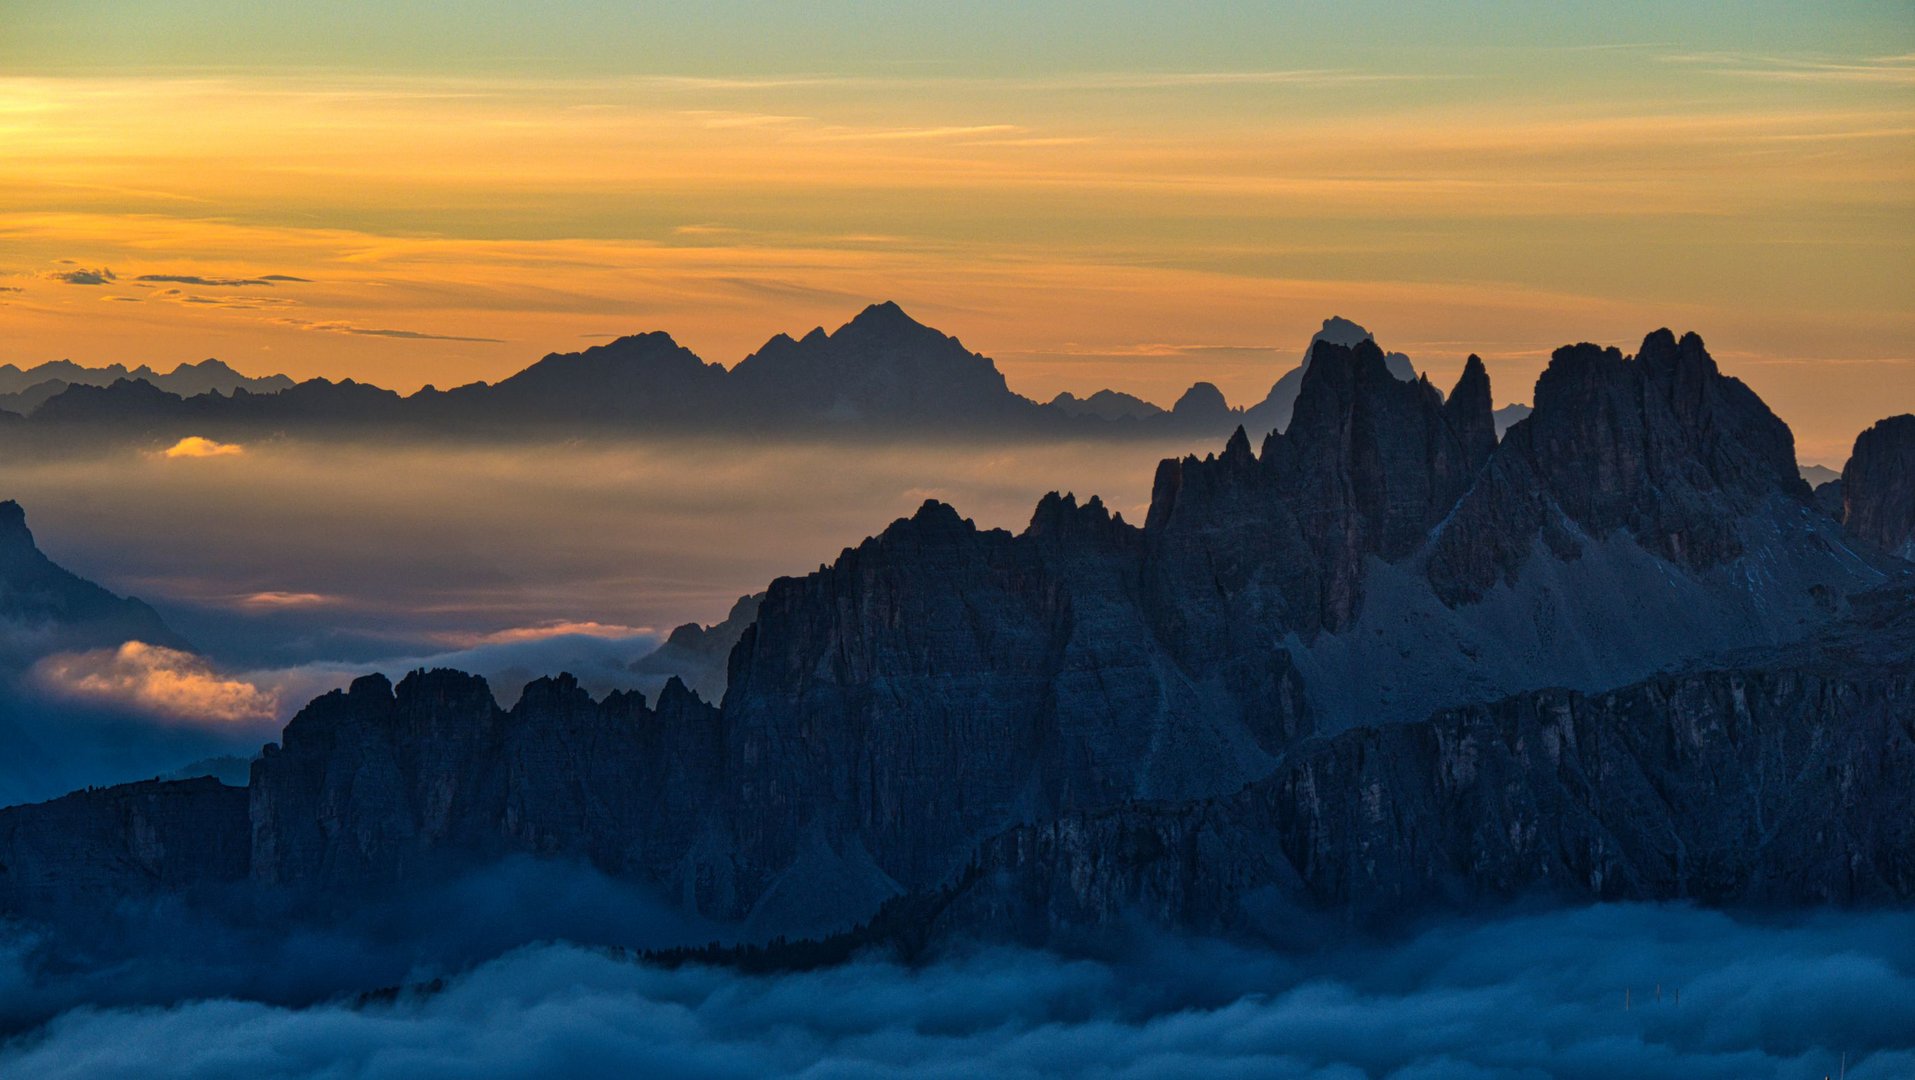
pixel 1380 664
pixel 882 372
pixel 24 390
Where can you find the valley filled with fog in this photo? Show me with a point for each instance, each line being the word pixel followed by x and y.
pixel 291 551
pixel 292 566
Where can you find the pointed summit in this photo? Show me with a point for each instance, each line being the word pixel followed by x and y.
pixel 1238 448
pixel 883 367
pixel 885 315
pixel 1273 412
pixel 1471 414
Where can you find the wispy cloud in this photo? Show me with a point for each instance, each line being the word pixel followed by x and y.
pixel 195 279
pixel 549 630
pixel 277 599
pixel 1891 70
pixel 336 327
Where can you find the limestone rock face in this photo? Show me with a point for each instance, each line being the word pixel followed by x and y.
pixel 940 681
pixel 1764 786
pixel 102 846
pixel 1878 486
pixel 377 786
pixel 1661 445
pixel 1369 464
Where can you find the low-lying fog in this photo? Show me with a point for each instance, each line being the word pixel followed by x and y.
pixel 294 565
pixel 332 550
pixel 1587 994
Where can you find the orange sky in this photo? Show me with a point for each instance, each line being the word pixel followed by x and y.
pixel 1090 223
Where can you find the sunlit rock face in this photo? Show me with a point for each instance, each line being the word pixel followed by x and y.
pixel 1878 486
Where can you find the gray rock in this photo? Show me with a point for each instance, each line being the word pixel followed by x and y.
pixel 96 848
pixel 1878 486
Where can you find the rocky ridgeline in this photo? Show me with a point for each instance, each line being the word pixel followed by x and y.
pixel 1761 787
pixel 1189 714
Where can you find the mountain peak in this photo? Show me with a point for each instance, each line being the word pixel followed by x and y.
pixel 13 520
pixel 1341 331
pixel 885 315
pixel 1202 399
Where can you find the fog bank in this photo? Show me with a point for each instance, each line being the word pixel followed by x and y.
pixel 1525 996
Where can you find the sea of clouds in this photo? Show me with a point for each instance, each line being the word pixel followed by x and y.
pixel 1532 995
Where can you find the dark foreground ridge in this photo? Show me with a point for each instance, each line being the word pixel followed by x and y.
pixel 1379 665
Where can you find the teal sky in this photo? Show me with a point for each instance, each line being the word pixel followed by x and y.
pixel 579 37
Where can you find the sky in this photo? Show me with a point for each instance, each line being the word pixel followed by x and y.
pixel 1128 195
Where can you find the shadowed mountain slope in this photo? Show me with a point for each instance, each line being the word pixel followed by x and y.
pixel 46 609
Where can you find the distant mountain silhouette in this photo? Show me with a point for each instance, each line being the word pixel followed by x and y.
pixel 45 608
pixel 1817 475
pixel 22 391
pixel 697 655
pixel 1105 405
pixel 1508 416
pixel 881 372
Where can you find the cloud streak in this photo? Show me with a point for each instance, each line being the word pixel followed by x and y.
pixel 194 279
pixel 335 327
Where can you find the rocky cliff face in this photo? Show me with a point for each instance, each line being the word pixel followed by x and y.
pixel 1660 445
pixel 1764 786
pixel 940 681
pixel 1273 413
pixel 1878 486
pixel 96 848
pixel 376 786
